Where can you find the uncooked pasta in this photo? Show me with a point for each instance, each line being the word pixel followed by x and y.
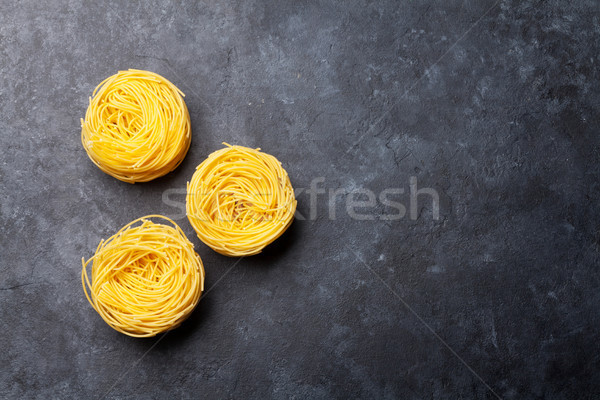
pixel 240 200
pixel 137 126
pixel 145 279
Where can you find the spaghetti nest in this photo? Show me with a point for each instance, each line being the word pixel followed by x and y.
pixel 137 126
pixel 239 200
pixel 145 279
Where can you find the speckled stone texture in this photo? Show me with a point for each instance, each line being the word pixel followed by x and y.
pixel 494 105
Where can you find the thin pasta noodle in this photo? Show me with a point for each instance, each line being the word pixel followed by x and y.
pixel 145 279
pixel 137 126
pixel 239 200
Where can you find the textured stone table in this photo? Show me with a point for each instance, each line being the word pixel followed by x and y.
pixel 492 107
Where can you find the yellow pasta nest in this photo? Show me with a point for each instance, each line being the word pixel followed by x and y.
pixel 239 200
pixel 145 279
pixel 137 126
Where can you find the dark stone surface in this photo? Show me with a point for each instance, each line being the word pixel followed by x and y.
pixel 493 105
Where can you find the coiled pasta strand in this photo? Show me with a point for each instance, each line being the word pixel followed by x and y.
pixel 137 126
pixel 240 200
pixel 145 279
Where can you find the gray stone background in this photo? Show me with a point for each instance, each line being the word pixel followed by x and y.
pixel 494 104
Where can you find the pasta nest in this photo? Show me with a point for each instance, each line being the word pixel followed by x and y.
pixel 240 200
pixel 137 126
pixel 145 279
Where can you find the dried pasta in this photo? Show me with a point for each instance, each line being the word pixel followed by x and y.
pixel 137 126
pixel 145 279
pixel 240 200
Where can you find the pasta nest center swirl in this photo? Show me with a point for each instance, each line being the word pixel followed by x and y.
pixel 137 126
pixel 145 279
pixel 240 200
